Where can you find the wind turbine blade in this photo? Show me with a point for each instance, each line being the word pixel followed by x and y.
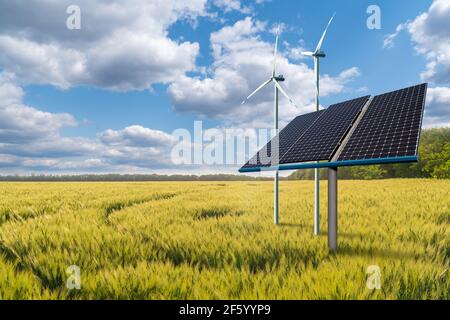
pixel 275 51
pixel 259 88
pixel 319 45
pixel 307 53
pixel 284 93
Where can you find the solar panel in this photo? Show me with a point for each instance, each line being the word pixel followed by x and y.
pixel 322 139
pixel 385 131
pixel 390 127
pixel 286 138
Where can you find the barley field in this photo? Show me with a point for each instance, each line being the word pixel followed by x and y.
pixel 216 240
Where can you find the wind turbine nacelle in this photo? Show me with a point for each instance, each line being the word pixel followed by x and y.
pixel 320 54
pixel 280 78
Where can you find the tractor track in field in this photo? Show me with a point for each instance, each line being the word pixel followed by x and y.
pixel 10 255
pixel 118 206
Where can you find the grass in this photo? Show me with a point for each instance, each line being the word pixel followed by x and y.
pixel 208 240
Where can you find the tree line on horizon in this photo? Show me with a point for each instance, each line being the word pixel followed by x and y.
pixel 434 162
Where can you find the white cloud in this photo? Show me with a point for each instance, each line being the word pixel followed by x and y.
pixel 437 109
pixel 55 146
pixel 122 45
pixel 349 74
pixel 143 61
pixel 64 165
pixel 389 40
pixel 136 136
pixel 19 122
pixel 125 45
pixel 241 36
pixel 295 53
pixel 430 35
pixel 232 5
pixel 363 89
pixel 430 32
pixel 30 139
pixel 42 63
pixel 243 61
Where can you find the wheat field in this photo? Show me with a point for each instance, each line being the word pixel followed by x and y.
pixel 216 240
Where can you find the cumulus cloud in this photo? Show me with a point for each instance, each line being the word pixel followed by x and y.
pixel 19 122
pixel 125 45
pixel 122 45
pixel 145 60
pixel 42 63
pixel 430 32
pixel 232 5
pixel 136 136
pixel 27 133
pixel 438 107
pixel 430 35
pixel 389 40
pixel 295 52
pixel 243 61
pixel 30 139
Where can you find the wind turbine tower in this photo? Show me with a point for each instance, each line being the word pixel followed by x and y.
pixel 317 54
pixel 277 88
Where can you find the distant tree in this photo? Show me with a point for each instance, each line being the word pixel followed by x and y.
pixel 368 172
pixel 434 153
pixel 441 161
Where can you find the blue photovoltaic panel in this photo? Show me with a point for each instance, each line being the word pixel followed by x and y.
pixel 285 139
pixel 387 131
pixel 323 138
pixel 390 127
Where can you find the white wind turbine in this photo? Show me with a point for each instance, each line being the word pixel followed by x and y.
pixel 316 55
pixel 277 87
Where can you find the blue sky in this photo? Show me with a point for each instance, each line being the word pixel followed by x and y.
pixel 106 97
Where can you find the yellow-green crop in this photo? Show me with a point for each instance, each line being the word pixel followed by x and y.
pixel 213 240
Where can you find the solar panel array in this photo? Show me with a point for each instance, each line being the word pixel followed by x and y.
pixel 322 139
pixel 390 128
pixel 286 138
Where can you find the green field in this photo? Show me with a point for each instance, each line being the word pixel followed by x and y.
pixel 215 240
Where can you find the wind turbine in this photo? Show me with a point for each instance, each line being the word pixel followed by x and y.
pixel 317 54
pixel 277 88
